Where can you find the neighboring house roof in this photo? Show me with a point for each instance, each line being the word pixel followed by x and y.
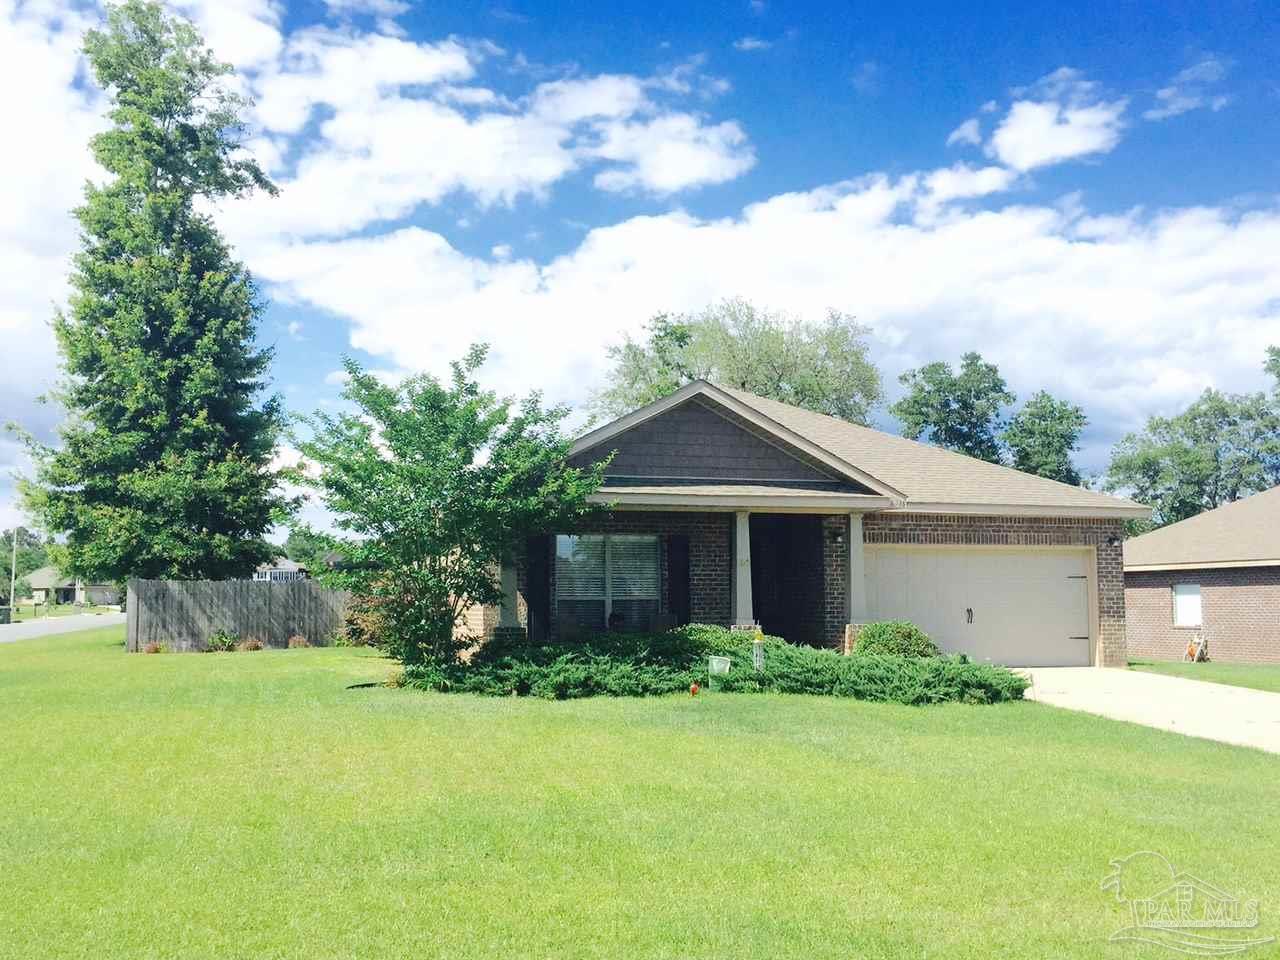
pixel 1244 533
pixel 913 476
pixel 47 578
pixel 281 563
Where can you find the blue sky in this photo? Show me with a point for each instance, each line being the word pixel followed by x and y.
pixel 1085 193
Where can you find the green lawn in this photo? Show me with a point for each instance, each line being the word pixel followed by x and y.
pixel 26 611
pixel 264 805
pixel 1258 676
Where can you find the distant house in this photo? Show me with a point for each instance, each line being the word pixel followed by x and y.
pixel 49 586
pixel 1216 574
pixel 280 570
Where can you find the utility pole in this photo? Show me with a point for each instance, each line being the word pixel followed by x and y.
pixel 13 574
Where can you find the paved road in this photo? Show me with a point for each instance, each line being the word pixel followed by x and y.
pixel 52 625
pixel 1196 708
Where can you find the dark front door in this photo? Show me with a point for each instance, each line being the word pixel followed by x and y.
pixel 787 576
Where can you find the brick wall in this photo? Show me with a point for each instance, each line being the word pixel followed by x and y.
pixel 835 580
pixel 1239 611
pixel 964 530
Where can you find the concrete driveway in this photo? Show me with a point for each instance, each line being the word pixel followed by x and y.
pixel 1215 711
pixel 49 626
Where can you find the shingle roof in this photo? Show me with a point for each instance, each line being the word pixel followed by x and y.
pixel 1243 533
pixel 929 475
pixel 280 563
pixel 46 578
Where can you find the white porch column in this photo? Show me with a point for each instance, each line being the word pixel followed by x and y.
pixel 509 609
pixel 743 612
pixel 857 585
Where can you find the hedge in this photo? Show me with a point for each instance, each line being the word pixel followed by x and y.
pixel 630 665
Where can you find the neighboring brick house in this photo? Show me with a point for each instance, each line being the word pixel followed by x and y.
pixel 732 509
pixel 1215 574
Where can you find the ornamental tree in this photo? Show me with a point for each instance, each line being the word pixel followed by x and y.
pixel 163 469
pixel 431 485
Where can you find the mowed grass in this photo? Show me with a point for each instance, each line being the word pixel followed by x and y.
pixel 1259 676
pixel 262 805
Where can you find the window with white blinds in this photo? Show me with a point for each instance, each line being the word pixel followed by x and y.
pixel 600 577
pixel 1186 604
pixel 633 567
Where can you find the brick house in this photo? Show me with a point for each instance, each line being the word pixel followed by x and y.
pixel 729 508
pixel 1216 574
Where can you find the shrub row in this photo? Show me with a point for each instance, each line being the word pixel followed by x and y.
pixel 628 665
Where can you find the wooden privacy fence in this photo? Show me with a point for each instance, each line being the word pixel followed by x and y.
pixel 183 614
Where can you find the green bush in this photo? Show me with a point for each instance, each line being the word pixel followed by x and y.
pixel 897 638
pixel 633 665
pixel 223 641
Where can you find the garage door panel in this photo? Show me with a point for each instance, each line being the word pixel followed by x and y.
pixel 1022 608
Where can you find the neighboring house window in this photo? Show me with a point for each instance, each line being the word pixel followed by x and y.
pixel 606 578
pixel 279 576
pixel 1186 604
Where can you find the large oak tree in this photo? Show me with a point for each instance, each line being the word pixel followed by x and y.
pixel 819 366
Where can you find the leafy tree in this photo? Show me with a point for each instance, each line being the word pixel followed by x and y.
pixel 959 411
pixel 1221 448
pixel 433 484
pixel 163 468
pixel 1042 436
pixel 307 547
pixel 819 366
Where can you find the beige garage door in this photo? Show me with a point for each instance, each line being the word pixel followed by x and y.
pixel 1017 607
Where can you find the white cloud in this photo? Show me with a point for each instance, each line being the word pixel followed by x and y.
pixel 671 152
pixel 295 330
pixel 751 44
pixel 385 148
pixel 43 181
pixel 1127 319
pixel 1190 90
pixel 501 251
pixel 962 182
pixel 245 33
pixel 1061 117
pixel 566 102
pixel 347 72
pixel 969 132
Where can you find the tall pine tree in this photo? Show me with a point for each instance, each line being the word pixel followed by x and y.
pixel 164 465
